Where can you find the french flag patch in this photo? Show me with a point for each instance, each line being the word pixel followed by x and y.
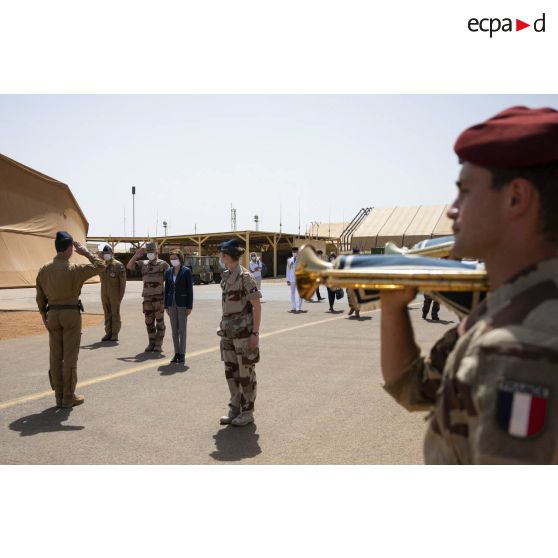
pixel 521 408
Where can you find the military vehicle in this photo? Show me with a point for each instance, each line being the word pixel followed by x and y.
pixel 205 269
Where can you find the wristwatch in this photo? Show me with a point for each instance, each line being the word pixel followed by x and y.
pixel 254 333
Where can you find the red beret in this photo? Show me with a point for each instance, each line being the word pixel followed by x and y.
pixel 516 137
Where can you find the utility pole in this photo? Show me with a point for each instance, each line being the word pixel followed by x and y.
pixel 233 218
pixel 280 213
pixel 165 225
pixel 256 220
pixel 298 215
pixel 133 211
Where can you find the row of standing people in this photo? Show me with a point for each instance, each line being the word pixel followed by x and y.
pixel 165 288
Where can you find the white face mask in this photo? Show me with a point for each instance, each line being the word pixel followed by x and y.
pixel 253 258
pixel 175 263
pixel 151 256
pixel 107 257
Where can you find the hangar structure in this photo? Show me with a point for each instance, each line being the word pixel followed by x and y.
pixel 274 247
pixel 33 206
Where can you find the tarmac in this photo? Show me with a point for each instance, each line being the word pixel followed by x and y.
pixel 320 397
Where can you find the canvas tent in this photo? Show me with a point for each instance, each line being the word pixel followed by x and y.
pixel 403 225
pixel 33 207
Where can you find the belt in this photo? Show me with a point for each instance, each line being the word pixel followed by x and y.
pixel 64 307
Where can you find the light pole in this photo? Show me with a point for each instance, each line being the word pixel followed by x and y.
pixel 133 211
pixel 165 225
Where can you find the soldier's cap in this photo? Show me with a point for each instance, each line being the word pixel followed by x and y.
pixel 231 247
pixel 107 249
pixel 63 241
pixel 356 250
pixel 294 249
pixel 516 137
pixel 151 247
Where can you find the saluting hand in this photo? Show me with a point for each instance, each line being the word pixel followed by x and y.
pixel 81 249
pixel 140 252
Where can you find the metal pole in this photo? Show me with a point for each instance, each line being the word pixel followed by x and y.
pixel 133 211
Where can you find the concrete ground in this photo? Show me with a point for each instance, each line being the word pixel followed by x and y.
pixel 320 399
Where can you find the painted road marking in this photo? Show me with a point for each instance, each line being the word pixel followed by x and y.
pixel 136 369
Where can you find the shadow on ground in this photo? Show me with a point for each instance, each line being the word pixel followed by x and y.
pixel 49 420
pixel 170 369
pixel 441 322
pixel 360 319
pixel 100 344
pixel 142 357
pixel 234 443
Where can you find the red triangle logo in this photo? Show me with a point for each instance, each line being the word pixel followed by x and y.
pixel 519 25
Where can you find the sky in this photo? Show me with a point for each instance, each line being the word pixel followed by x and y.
pixel 192 157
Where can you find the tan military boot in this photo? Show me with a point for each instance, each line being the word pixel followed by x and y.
pixel 232 413
pixel 114 338
pixel 106 337
pixel 73 402
pixel 150 347
pixel 243 419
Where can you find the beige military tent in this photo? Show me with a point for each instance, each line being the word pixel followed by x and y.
pixel 33 207
pixel 403 225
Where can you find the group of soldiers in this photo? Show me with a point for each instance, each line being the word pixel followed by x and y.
pixel 59 285
pixel 490 384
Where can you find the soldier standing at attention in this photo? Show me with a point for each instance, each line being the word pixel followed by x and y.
pixel 239 331
pixel 491 383
pixel 58 288
pixel 153 275
pixel 113 285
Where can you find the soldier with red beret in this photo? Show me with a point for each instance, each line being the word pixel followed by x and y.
pixel 491 384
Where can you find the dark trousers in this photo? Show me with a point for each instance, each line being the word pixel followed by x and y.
pixel 318 295
pixel 331 296
pixel 426 306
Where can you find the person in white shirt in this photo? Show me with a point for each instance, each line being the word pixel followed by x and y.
pixel 255 267
pixel 296 301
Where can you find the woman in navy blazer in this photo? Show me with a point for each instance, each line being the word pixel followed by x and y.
pixel 179 299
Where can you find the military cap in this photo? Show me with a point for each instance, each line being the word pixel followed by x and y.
pixel 151 247
pixel 63 241
pixel 231 247
pixel 107 249
pixel 356 250
pixel 516 137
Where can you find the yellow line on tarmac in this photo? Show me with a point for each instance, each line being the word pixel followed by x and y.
pixel 135 369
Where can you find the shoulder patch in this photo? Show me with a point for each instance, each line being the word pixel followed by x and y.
pixel 521 408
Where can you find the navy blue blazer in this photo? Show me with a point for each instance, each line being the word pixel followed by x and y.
pixel 183 287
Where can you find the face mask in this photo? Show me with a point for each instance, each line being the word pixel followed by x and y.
pixel 107 257
pixel 175 263
pixel 253 258
pixel 151 256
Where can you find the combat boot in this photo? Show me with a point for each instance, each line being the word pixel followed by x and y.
pixel 232 413
pixel 58 400
pixel 150 348
pixel 243 419
pixel 157 349
pixel 114 338
pixel 107 337
pixel 72 402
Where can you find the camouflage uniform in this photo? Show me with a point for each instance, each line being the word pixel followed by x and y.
pixel 492 383
pixel 59 284
pixel 113 286
pixel 153 275
pixel 239 288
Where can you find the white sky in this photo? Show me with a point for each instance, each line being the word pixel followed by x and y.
pixel 192 156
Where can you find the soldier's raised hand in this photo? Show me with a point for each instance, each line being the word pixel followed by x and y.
pixel 80 249
pixel 140 252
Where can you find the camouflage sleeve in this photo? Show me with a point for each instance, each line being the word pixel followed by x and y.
pixel 165 266
pixel 515 396
pixel 417 387
pixel 86 271
pixel 41 297
pixel 250 287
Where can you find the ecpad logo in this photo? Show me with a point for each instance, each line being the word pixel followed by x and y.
pixel 493 25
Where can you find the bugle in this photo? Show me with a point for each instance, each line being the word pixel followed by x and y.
pixel 368 274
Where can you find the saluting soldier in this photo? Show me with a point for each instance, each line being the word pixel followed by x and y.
pixel 153 275
pixel 59 285
pixel 113 286
pixel 492 382
pixel 239 331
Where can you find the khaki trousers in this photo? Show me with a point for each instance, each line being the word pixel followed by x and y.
pixel 64 329
pixel 111 308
